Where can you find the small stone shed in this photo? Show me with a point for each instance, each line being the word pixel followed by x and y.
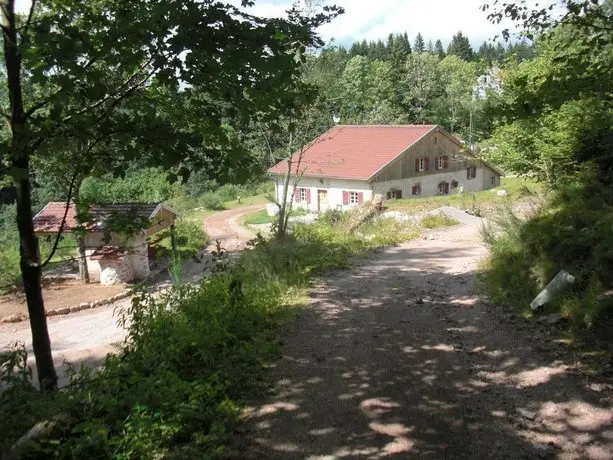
pixel 123 258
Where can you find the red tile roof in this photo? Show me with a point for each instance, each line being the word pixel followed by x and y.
pixel 354 151
pixel 50 218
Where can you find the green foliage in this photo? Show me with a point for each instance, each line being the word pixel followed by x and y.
pixel 148 185
pixel 438 221
pixel 556 113
pixel 572 232
pixel 460 46
pixel 211 201
pixel 10 274
pixel 193 359
pixel 190 237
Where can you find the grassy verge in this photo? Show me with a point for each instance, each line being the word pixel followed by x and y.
pixel 483 202
pixel 195 356
pixel 262 217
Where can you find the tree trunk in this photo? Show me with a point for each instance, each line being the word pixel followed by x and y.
pixel 31 274
pixel 83 269
pixel 19 164
pixel 81 248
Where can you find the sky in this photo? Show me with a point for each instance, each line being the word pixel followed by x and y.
pixel 376 19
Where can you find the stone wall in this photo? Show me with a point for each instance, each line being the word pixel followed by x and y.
pixel 115 271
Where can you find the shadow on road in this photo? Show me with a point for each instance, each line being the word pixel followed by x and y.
pixel 399 357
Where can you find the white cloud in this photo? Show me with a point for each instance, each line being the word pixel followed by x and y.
pixel 372 20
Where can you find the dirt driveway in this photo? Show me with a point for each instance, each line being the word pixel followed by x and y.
pixel 400 357
pixel 227 228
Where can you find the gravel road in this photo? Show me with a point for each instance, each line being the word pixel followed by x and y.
pixel 400 357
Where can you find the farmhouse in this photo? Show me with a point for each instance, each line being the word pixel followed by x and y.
pixel 349 164
pixel 124 257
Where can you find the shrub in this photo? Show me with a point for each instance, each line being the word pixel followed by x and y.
pixel 211 201
pixel 190 235
pixel 571 232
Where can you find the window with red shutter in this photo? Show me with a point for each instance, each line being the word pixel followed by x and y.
pixel 360 198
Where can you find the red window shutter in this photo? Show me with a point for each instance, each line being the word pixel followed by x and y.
pixel 296 195
pixel 416 164
pixel 308 196
pixel 360 198
pixel 435 162
pixel 427 163
pixel 345 197
pixel 446 161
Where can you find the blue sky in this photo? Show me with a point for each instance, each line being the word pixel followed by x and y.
pixel 374 19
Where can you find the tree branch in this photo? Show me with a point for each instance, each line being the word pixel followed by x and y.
pixel 29 20
pixel 41 104
pixel 59 234
pixel 68 199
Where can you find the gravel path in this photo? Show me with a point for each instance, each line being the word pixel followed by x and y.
pixel 86 337
pixel 400 357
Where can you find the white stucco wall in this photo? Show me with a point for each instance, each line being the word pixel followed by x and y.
pixel 429 183
pixel 137 258
pixel 334 188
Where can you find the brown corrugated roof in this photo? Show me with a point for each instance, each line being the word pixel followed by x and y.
pixel 354 151
pixel 50 218
pixel 108 252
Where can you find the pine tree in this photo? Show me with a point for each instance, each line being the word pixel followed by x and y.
pixel 438 48
pixel 407 43
pixel 419 46
pixel 460 46
pixel 381 53
pixel 430 47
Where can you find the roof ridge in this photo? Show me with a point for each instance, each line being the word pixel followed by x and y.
pixel 388 126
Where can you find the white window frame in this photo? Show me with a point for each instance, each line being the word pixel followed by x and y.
pixel 354 198
pixel 422 164
pixel 440 163
pixel 303 194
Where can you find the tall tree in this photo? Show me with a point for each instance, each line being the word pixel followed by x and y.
pixel 419 45
pixel 421 87
pixel 460 46
pixel 87 58
pixel 438 48
pixel 430 47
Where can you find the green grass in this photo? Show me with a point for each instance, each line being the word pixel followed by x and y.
pixel 483 202
pixel 438 221
pixel 262 217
